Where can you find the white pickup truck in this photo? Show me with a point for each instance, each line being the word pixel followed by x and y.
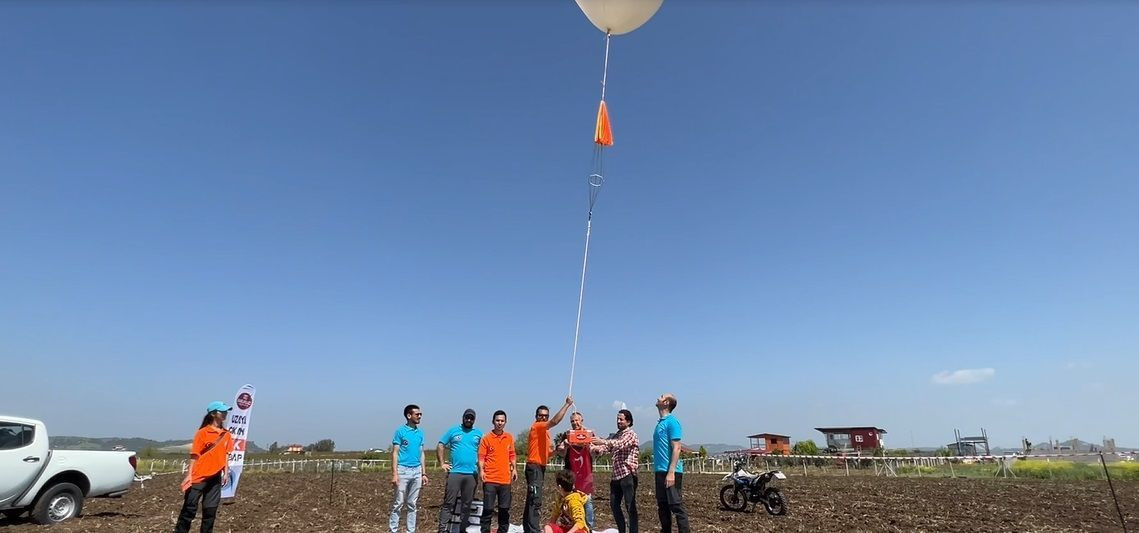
pixel 53 483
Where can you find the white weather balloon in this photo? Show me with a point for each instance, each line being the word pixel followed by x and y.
pixel 619 16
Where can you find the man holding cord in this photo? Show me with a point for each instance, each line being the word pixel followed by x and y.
pixel 536 460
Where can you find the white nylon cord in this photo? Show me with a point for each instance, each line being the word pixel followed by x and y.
pixel 588 229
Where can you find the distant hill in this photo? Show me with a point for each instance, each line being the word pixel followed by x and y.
pixel 1074 445
pixel 714 449
pixel 134 444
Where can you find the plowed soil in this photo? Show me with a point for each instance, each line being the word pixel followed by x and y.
pixel 360 502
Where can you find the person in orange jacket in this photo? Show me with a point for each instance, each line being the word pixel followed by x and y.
pixel 208 471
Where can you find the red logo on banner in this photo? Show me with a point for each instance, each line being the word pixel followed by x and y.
pixel 239 445
pixel 244 401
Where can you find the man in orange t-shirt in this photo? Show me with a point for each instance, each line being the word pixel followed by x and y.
pixel 497 470
pixel 539 455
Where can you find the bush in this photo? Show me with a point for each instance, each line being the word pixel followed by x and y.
pixel 918 470
pixel 805 447
pixel 558 439
pixel 1073 470
pixel 522 444
pixel 1128 471
pixel 646 457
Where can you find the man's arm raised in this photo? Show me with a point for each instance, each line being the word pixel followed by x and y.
pixel 561 412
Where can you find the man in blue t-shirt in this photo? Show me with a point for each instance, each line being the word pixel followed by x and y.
pixel 407 468
pixel 667 468
pixel 463 443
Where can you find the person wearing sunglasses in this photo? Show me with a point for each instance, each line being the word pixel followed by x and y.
pixel 407 468
pixel 540 447
pixel 463 443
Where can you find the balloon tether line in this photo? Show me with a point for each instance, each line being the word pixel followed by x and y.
pixel 605 70
pixel 596 180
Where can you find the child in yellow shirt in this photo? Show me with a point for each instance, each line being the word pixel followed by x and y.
pixel 569 514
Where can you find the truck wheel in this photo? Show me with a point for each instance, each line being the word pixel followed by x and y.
pixel 58 503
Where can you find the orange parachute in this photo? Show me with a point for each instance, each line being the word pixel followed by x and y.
pixel 603 133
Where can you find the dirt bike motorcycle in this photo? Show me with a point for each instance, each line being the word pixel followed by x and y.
pixel 741 488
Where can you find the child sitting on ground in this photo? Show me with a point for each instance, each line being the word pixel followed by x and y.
pixel 569 513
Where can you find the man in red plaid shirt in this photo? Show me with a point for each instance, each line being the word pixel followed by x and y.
pixel 623 486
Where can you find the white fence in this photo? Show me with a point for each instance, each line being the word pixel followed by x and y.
pixel 170 466
pixel 710 465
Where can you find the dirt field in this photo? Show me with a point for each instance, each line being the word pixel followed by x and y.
pixel 300 502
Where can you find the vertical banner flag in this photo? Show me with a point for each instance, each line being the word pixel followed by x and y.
pixel 238 426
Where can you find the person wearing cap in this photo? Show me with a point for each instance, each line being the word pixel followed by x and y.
pixel 463 443
pixel 208 471
pixel 407 468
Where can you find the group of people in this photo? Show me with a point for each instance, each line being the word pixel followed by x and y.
pixel 488 460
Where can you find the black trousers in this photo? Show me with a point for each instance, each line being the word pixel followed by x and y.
pixel 670 503
pixel 535 481
pixel 623 494
pixel 209 492
pixel 493 493
pixel 461 489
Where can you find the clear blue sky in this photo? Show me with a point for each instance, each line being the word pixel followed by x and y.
pixel 812 209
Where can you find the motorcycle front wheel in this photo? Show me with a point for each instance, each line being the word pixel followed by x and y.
pixel 732 499
pixel 774 503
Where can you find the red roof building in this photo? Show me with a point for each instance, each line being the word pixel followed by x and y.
pixel 769 444
pixel 857 439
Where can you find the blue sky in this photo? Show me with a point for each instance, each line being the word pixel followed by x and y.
pixel 813 209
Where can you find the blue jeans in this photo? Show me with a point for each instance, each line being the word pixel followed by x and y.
pixel 589 512
pixel 406 495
